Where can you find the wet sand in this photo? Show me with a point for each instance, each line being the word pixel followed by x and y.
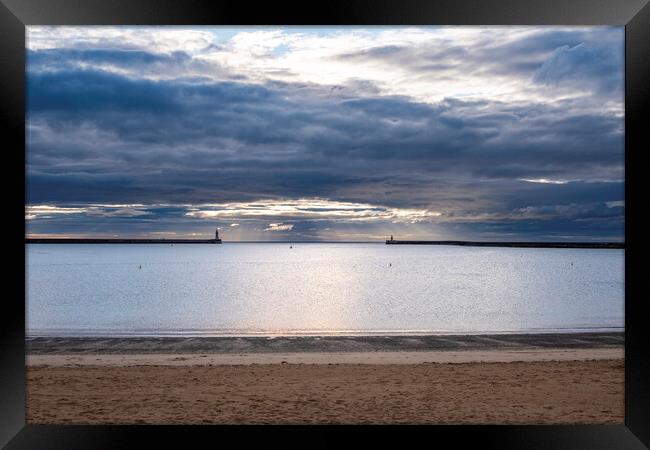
pixel 374 357
pixel 471 380
pixel 319 344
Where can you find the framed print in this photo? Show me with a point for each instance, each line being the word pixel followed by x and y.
pixel 417 219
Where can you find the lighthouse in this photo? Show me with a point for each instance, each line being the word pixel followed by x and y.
pixel 216 236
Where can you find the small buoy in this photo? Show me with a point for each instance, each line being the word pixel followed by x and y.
pixel 390 265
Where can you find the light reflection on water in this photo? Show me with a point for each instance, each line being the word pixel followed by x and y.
pixel 319 289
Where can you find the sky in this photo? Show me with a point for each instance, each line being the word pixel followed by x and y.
pixel 326 133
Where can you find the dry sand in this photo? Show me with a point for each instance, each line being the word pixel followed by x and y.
pixel 453 379
pixel 557 392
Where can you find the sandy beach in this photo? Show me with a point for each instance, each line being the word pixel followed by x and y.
pixel 540 379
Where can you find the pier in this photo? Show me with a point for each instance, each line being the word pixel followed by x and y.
pixel 119 241
pixel 216 240
pixel 392 241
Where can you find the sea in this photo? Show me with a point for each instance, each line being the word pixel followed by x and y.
pixel 271 289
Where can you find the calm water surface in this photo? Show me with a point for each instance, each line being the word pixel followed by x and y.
pixel 318 288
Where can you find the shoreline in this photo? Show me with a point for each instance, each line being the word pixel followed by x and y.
pixel 190 333
pixel 320 344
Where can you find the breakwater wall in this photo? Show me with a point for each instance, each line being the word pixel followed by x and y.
pixel 120 241
pixel 514 244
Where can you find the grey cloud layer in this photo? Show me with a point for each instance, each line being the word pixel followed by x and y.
pixel 96 135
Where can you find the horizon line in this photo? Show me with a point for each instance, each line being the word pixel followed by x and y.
pixel 50 240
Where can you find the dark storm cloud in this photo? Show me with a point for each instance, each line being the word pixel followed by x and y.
pixel 174 132
pixel 136 63
pixel 79 92
pixel 600 66
pixel 67 59
pixel 557 229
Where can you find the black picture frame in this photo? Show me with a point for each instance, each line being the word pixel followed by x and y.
pixel 633 14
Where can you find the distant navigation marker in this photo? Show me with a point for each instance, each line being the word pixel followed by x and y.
pixel 216 236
